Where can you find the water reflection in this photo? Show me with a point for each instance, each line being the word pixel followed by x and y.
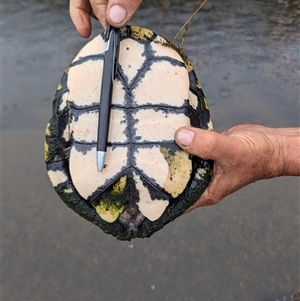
pixel 246 248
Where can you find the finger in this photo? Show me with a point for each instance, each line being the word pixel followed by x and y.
pixel 202 143
pixel 80 11
pixel 99 8
pixel 208 145
pixel 119 12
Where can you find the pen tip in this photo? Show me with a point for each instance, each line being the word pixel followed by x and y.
pixel 100 160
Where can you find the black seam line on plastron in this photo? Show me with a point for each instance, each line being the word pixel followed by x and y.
pixel 157 192
pixel 73 106
pixel 130 132
pixel 150 58
pixel 109 182
pixel 135 167
pixel 83 147
pixel 83 142
pixel 142 72
pixel 147 53
pixel 160 106
pixel 130 110
pixel 122 77
pixel 168 59
pixel 145 67
pixel 83 59
pixel 143 145
pixel 149 144
pixel 129 170
pixel 76 113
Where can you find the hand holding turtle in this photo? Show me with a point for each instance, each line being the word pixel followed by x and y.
pixel 113 12
pixel 243 154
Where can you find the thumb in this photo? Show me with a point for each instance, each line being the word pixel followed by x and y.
pixel 202 143
pixel 119 12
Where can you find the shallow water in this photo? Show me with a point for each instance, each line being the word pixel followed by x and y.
pixel 246 55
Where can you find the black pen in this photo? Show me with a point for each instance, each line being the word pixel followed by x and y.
pixel 112 38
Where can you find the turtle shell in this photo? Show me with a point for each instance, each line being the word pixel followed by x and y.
pixel 147 180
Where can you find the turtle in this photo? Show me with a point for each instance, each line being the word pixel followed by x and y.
pixel 147 180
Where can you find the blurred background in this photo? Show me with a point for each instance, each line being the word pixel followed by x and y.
pixel 246 248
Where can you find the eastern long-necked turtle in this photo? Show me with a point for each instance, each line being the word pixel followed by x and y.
pixel 148 180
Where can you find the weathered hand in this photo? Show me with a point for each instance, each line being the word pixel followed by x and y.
pixel 113 12
pixel 242 155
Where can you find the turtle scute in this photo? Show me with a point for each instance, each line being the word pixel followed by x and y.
pixel 148 180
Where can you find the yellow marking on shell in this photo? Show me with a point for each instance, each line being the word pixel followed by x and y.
pixel 189 67
pixel 65 100
pixel 48 133
pixel 193 100
pixel 210 125
pixel 59 86
pixel 119 187
pixel 200 174
pixel 205 103
pixel 162 41
pixel 140 33
pixel 68 191
pixel 179 171
pixel 46 151
pixel 110 209
pixel 198 85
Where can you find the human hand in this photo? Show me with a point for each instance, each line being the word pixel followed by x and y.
pixel 242 155
pixel 113 12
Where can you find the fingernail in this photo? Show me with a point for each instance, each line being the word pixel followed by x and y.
pixel 185 137
pixel 117 14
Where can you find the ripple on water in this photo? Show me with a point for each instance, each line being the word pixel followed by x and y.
pixel 224 93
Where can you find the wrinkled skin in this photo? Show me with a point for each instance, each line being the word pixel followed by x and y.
pixel 114 12
pixel 243 154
